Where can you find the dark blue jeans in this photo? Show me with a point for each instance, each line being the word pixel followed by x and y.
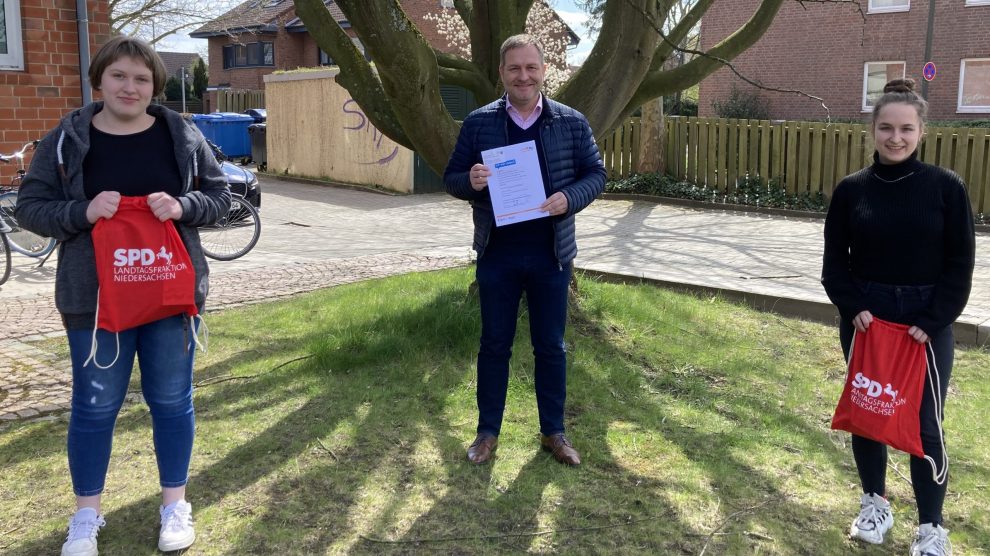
pixel 897 304
pixel 503 276
pixel 165 352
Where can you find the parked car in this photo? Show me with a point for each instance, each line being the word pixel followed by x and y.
pixel 241 181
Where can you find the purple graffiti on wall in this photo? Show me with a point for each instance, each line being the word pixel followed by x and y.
pixel 360 122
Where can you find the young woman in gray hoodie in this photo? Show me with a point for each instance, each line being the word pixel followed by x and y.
pixel 124 146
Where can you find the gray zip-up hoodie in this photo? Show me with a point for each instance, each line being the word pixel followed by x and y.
pixel 51 201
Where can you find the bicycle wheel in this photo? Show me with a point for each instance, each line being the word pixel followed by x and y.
pixel 233 235
pixel 5 256
pixel 21 240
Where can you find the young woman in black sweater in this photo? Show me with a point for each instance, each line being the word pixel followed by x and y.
pixel 900 246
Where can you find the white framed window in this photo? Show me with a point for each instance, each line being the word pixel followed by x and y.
pixel 446 4
pixel 978 2
pixel 974 85
pixel 887 6
pixel 875 76
pixel 11 45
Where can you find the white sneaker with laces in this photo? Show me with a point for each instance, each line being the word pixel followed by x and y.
pixel 931 540
pixel 177 527
pixel 874 520
pixel 84 526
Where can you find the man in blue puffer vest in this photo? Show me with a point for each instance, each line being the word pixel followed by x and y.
pixel 533 256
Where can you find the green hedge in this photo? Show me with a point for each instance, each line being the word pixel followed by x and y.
pixel 750 191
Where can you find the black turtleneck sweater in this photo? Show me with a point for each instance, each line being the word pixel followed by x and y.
pixel 906 224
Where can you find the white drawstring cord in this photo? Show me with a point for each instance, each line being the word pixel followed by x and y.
pixel 206 332
pixel 92 345
pixel 938 476
pixel 852 344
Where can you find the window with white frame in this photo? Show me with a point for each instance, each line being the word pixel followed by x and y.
pixel 875 76
pixel 978 2
pixel 882 6
pixel 11 47
pixel 974 85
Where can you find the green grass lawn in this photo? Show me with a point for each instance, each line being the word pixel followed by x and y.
pixel 337 422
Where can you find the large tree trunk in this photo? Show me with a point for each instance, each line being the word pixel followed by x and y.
pixel 401 93
pixel 653 139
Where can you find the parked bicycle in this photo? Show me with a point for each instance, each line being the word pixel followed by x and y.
pixel 4 252
pixel 238 231
pixel 20 240
pixel 231 237
pixel 234 234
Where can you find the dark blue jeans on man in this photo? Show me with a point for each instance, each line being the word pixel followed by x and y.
pixel 503 276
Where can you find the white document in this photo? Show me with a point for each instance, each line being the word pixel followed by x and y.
pixel 516 183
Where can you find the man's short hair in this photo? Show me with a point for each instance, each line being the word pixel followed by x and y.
pixel 519 41
pixel 131 47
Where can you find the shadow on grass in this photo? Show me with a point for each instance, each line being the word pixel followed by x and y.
pixel 388 380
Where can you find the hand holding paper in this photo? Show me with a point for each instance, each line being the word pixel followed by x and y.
pixel 516 183
pixel 479 176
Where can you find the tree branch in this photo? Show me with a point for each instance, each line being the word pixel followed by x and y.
pixel 409 74
pixel 356 74
pixel 679 32
pixel 627 41
pixel 859 8
pixel 464 9
pixel 661 83
pixel 455 70
pixel 728 519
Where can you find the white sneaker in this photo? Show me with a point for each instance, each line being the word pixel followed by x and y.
pixel 177 527
pixel 875 519
pixel 84 526
pixel 931 541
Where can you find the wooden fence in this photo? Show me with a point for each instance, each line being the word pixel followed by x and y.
pixel 620 150
pixel 239 101
pixel 805 156
pixel 192 106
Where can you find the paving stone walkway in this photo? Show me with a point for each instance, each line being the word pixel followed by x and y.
pixel 315 237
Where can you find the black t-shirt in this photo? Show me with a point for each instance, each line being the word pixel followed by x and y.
pixel 136 164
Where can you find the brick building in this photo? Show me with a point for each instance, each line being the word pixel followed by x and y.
pixel 258 37
pixel 844 53
pixel 39 66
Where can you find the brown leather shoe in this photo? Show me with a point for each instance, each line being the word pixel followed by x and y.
pixel 482 448
pixel 561 448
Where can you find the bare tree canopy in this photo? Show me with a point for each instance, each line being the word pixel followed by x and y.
pixel 154 20
pixel 625 69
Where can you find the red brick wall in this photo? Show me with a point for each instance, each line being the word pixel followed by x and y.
pixel 34 99
pixel 820 49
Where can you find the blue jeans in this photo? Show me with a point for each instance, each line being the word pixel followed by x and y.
pixel 897 304
pixel 165 353
pixel 503 276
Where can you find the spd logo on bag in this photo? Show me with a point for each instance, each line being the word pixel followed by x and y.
pixel 145 265
pixel 874 397
pixel 884 387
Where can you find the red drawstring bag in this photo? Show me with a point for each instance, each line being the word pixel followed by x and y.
pixel 143 268
pixel 884 388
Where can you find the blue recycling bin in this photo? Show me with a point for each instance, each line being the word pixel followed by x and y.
pixel 228 130
pixel 205 123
